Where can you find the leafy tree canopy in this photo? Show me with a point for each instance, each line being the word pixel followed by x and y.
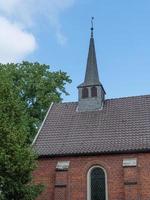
pixel 16 157
pixel 38 87
pixel 26 91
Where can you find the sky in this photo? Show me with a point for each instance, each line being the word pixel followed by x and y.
pixel 57 33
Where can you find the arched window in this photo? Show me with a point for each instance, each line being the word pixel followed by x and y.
pixel 97 184
pixel 85 92
pixel 93 91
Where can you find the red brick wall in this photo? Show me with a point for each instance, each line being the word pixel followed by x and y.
pixel 121 180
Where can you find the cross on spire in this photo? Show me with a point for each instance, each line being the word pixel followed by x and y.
pixel 92 26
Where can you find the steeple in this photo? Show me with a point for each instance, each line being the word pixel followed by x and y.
pixel 91 91
pixel 91 75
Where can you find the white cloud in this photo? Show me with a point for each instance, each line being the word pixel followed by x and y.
pixel 18 16
pixel 15 43
pixel 27 11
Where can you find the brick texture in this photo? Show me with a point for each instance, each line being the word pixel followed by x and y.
pixel 123 183
pixel 131 183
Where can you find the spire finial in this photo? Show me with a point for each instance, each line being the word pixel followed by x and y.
pixel 92 28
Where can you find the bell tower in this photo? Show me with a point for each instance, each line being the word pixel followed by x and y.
pixel 91 92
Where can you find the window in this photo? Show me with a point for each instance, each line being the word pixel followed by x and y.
pixel 85 92
pixel 97 184
pixel 94 91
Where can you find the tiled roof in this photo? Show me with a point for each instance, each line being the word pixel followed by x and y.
pixel 122 125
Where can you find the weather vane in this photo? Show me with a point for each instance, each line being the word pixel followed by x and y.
pixel 92 26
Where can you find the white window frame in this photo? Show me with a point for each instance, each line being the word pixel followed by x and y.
pixel 89 182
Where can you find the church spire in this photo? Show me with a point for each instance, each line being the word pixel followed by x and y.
pixel 91 75
pixel 91 91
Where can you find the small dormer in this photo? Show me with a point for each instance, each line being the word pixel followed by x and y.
pixel 91 92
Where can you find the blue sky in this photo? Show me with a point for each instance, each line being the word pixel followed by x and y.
pixel 56 32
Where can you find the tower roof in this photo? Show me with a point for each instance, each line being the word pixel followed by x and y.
pixel 91 75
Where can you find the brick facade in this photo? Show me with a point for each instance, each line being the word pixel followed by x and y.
pixel 123 183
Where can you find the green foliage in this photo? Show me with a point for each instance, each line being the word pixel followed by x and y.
pixel 16 157
pixel 38 87
pixel 26 91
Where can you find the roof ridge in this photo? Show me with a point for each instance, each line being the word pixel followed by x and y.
pixel 128 97
pixel 115 98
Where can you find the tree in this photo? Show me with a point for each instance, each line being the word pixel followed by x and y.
pixel 38 87
pixel 26 91
pixel 16 157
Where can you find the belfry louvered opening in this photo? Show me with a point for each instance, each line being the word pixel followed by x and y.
pixel 93 91
pixel 85 93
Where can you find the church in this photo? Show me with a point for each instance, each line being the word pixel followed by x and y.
pixel 96 148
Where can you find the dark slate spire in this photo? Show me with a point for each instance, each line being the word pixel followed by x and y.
pixel 91 75
pixel 91 91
